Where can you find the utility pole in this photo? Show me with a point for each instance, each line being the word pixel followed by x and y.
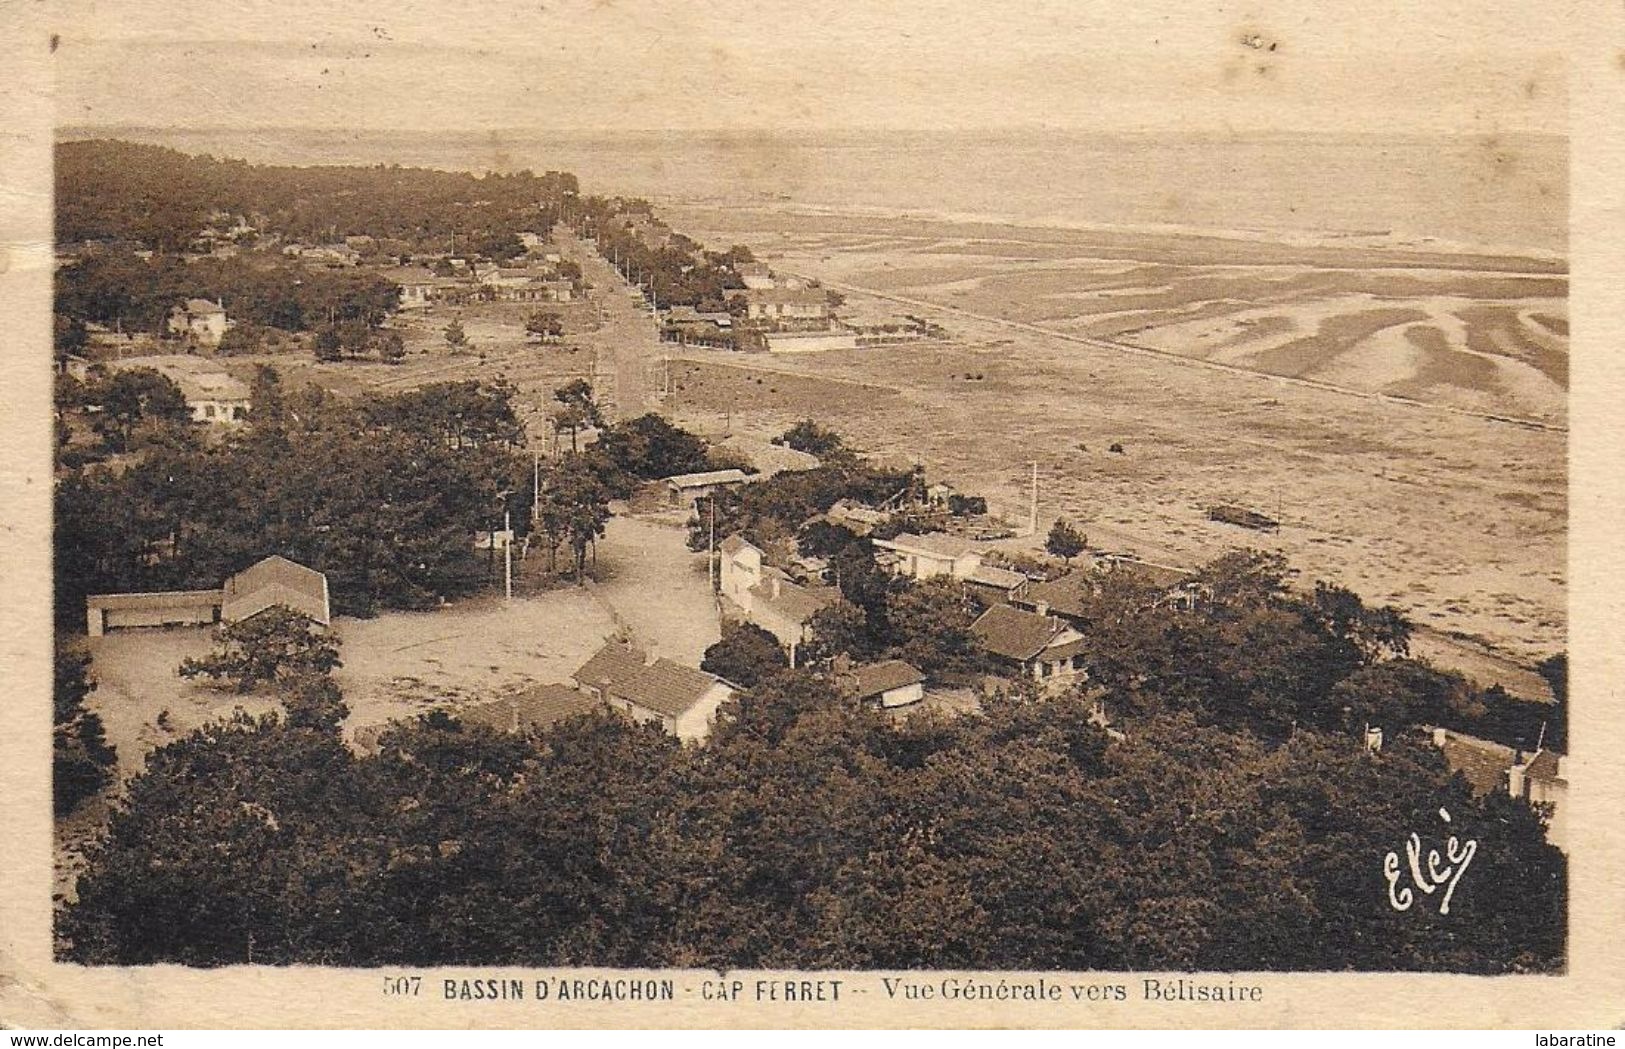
pixel 1032 513
pixel 711 553
pixel 536 485
pixel 507 554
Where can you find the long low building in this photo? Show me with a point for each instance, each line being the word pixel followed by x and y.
pixel 272 581
pixel 104 612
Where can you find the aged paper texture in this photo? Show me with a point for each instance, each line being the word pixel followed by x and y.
pixel 923 515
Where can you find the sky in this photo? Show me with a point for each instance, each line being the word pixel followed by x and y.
pixel 1478 66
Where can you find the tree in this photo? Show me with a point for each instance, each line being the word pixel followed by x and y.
pixel 391 347
pixel 545 325
pixel 1065 541
pixel 577 409
pixel 807 436
pixel 838 629
pixel 745 655
pixel 575 508
pixel 82 759
pixel 277 643
pixel 328 345
pixel 456 337
pixel 929 624
pixel 131 396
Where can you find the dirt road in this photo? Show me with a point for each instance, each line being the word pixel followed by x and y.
pixel 656 588
pixel 626 343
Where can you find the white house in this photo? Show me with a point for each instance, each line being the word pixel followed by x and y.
pixel 200 320
pixel 788 307
pixel 211 394
pixel 272 581
pixel 755 275
pixel 931 555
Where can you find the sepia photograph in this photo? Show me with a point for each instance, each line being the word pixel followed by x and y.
pixel 1047 488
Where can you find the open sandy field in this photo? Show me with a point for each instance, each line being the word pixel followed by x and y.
pixel 1459 519
pixel 1488 333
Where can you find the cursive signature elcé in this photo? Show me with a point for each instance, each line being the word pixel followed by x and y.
pixel 1459 854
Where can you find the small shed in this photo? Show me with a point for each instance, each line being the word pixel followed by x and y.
pixel 687 489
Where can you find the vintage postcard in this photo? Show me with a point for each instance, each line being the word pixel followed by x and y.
pixel 592 514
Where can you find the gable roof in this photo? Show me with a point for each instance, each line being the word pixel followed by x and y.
pixel 1149 573
pixel 874 679
pixel 275 581
pixel 1546 764
pixel 1007 631
pixel 665 687
pixel 735 543
pixel 613 662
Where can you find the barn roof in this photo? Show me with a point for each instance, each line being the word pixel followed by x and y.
pixel 936 544
pixel 793 601
pixel 1483 762
pixel 276 581
pixel 1064 595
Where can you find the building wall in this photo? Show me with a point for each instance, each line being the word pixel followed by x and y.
pixel 902 697
pixel 740 572
pixel 226 412
pixel 180 609
pixel 695 724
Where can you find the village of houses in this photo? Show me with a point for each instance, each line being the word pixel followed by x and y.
pixel 633 639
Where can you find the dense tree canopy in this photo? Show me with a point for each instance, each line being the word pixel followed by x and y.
pixel 82 759
pixel 809 833
pixel 384 495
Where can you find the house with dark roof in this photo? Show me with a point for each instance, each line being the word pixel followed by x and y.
pixel 1482 762
pixel 1065 597
pixel 890 683
pixel 682 700
pixel 993 584
pixel 1043 648
pixel 1489 766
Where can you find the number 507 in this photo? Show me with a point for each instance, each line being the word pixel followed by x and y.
pixel 402 986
